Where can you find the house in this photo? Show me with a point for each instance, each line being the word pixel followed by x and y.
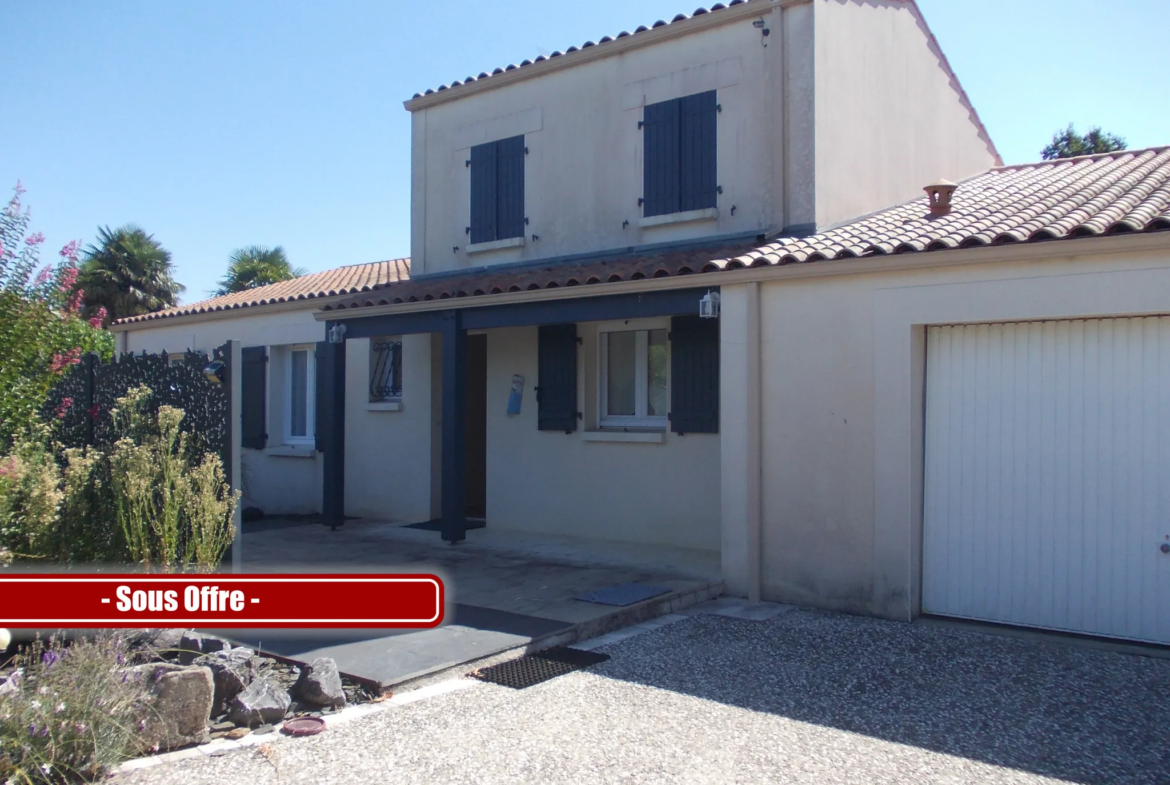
pixel 281 470
pixel 947 403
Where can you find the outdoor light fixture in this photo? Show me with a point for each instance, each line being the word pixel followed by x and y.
pixel 214 371
pixel 709 305
pixel 337 333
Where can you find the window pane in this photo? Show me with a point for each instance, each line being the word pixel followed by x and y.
pixel 300 393
pixel 657 359
pixel 620 384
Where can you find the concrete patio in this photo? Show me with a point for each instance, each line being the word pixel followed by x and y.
pixel 505 590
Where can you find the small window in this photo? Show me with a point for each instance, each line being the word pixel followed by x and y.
pixel 678 157
pixel 635 378
pixel 385 369
pixel 299 396
pixel 497 190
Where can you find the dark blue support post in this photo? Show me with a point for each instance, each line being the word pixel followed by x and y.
pixel 331 412
pixel 454 488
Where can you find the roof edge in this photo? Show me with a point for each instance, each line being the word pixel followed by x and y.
pixel 616 46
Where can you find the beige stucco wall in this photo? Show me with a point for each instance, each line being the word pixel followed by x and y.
pixel 387 452
pixel 842 389
pixel 664 493
pixel 889 116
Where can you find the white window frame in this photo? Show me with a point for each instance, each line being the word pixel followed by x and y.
pixel 310 437
pixel 640 419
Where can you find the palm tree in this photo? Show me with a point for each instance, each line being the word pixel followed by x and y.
pixel 128 273
pixel 255 266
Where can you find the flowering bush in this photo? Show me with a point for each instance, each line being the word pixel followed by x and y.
pixel 68 713
pixel 41 330
pixel 151 499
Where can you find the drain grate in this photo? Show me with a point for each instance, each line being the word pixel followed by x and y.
pixel 623 594
pixel 542 666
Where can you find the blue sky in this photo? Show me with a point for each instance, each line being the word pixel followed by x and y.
pixel 221 124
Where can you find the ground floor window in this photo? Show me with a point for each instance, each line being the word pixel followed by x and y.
pixel 385 369
pixel 299 396
pixel 634 376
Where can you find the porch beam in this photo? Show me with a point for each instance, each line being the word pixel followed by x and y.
pixel 670 302
pixel 454 460
pixel 333 428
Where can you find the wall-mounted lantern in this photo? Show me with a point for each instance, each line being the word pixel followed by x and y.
pixel 709 305
pixel 214 371
pixel 336 333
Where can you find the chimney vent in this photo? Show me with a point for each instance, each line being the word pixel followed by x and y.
pixel 940 194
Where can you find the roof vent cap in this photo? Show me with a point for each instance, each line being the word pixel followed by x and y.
pixel 940 194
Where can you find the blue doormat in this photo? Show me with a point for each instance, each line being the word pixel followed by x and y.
pixel 623 594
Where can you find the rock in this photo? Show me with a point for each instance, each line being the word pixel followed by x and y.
pixel 221 727
pixel 11 683
pixel 177 705
pixel 320 684
pixel 237 733
pixel 260 702
pixel 233 671
pixel 194 644
pixel 161 643
pixel 264 729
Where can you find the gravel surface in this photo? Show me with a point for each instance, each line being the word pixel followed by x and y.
pixel 807 697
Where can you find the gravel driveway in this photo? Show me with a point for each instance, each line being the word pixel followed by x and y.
pixel 806 697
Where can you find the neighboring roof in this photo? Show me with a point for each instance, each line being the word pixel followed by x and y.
pixel 330 283
pixel 602 41
pixel 1113 193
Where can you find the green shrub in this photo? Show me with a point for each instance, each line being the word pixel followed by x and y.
pixel 72 713
pixel 151 499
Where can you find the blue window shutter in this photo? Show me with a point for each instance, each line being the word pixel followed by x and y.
pixel 253 397
pixel 483 193
pixel 510 187
pixel 697 151
pixel 556 391
pixel 660 158
pixel 323 369
pixel 694 375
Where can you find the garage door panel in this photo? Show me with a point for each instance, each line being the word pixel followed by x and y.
pixel 1045 458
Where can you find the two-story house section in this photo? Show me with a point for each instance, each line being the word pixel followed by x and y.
pixel 762 117
pixel 582 381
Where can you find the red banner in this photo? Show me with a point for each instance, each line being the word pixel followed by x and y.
pixel 221 601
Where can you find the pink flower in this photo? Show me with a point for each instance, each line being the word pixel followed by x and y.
pixel 34 239
pixel 44 275
pixel 8 467
pixel 19 188
pixel 60 361
pixel 68 279
pixel 65 405
pixel 93 413
pixel 75 301
pixel 71 249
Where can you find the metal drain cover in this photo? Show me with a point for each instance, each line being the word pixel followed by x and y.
pixel 542 666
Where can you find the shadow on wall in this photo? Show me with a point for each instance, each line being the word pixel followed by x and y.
pixel 1077 714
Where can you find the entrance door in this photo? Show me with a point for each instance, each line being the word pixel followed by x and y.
pixel 475 435
pixel 1048 475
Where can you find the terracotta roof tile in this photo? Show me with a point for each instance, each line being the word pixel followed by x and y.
pixel 1113 193
pixel 330 283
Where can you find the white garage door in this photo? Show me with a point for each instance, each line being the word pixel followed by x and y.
pixel 1048 475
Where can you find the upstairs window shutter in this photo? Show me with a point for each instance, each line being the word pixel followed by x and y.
pixel 483 193
pixel 694 375
pixel 556 392
pixel 254 397
pixel 497 190
pixel 660 158
pixel 510 188
pixel 697 151
pixel 323 369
